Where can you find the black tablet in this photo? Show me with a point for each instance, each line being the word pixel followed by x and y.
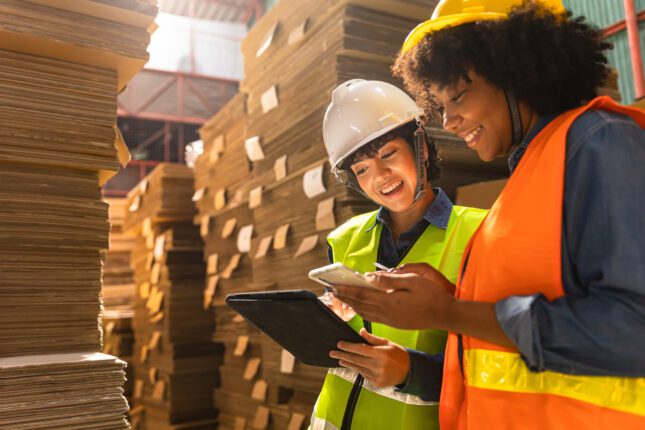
pixel 298 321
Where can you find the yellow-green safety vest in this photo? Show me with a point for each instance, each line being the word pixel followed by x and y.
pixel 356 244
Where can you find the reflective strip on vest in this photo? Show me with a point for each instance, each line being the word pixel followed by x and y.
pixel 389 392
pixel 506 371
pixel 321 424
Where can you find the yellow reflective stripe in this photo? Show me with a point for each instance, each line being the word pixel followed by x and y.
pixel 350 376
pixel 505 371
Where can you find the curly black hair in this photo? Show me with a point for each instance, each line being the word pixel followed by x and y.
pixel 406 132
pixel 552 62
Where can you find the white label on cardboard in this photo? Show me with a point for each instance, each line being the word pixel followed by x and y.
pixel 254 149
pixel 312 182
pixel 244 238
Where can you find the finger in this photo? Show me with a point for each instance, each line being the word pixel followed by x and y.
pixel 348 293
pixel 418 268
pixel 354 359
pixel 365 371
pixel 362 349
pixel 372 339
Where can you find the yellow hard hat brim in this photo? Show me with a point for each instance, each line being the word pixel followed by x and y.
pixel 432 25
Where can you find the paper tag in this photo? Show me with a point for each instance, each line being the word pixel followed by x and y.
pixel 269 99
pixel 267 40
pixel 261 420
pixel 325 215
pixel 232 265
pixel 150 258
pixel 312 182
pixel 138 388
pixel 154 340
pixel 155 301
pixel 155 274
pixel 237 199
pixel 144 290
pixel 280 168
pixel 240 423
pixel 159 392
pixel 220 199
pixel 307 244
pixel 197 196
pixel 211 267
pixel 143 186
pixel 287 362
pixel 155 319
pixel 209 292
pixel 241 345
pixel 263 248
pixel 159 249
pixel 109 327
pixel 296 421
pixel 136 202
pixel 244 238
pixel 255 197
pixel 280 239
pixel 143 354
pixel 204 225
pixel 259 390
pixel 252 367
pixel 150 242
pixel 254 149
pixel 298 33
pixel 152 375
pixel 146 227
pixel 229 226
pixel 238 318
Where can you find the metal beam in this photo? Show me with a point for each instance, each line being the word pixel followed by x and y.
pixel 155 94
pixel 634 48
pixel 162 117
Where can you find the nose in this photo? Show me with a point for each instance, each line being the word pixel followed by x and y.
pixel 451 120
pixel 381 170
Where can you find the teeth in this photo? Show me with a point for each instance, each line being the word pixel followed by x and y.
pixel 391 187
pixel 470 136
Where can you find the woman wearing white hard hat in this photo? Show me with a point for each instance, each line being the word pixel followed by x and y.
pixel 376 145
pixel 547 321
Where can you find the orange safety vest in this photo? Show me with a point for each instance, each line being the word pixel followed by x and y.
pixel 517 251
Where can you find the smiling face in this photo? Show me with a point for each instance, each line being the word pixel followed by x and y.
pixel 477 112
pixel 390 177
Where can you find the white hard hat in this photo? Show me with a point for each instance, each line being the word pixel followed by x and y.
pixel 361 111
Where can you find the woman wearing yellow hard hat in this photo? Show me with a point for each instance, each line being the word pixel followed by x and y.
pixel 547 321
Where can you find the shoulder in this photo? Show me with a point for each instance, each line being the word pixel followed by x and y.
pixel 597 130
pixel 468 214
pixel 355 223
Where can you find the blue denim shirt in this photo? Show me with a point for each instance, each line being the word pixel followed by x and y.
pixel 598 326
pixel 426 371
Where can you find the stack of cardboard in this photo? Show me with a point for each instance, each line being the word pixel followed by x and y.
pixel 118 285
pixel 175 358
pixel 118 293
pixel 61 67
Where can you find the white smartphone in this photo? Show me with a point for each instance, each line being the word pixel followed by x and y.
pixel 338 274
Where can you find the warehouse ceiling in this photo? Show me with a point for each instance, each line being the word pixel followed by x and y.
pixel 213 10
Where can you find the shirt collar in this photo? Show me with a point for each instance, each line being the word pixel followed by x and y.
pixel 516 154
pixel 438 212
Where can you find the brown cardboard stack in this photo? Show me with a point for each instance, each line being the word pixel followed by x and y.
pixel 58 84
pixel 118 293
pixel 175 358
pixel 118 285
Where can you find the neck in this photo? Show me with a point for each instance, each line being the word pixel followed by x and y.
pixel 529 118
pixel 404 221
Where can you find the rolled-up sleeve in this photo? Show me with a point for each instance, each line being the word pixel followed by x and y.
pixel 598 326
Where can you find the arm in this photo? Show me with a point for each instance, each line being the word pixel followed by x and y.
pixel 597 328
pixel 424 376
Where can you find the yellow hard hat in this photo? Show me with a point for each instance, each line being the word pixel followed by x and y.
pixel 450 13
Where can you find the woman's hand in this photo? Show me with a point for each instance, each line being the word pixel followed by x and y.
pixel 382 362
pixel 343 310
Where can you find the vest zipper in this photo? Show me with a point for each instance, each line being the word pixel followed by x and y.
pixel 352 400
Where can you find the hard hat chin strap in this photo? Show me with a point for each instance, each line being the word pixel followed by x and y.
pixel 516 118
